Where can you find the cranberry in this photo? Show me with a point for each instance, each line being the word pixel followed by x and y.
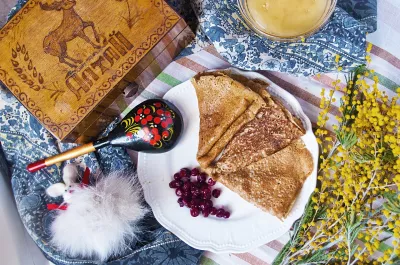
pixel 187 202
pixel 186 194
pixel 180 201
pixel 203 205
pixel 185 180
pixel 227 215
pixel 211 182
pixel 179 192
pixel 206 193
pixel 202 177
pixel 194 212
pixel 220 213
pixel 177 176
pixel 196 184
pixel 205 186
pixel 195 172
pixel 216 193
pixel 206 212
pixel 198 196
pixel 205 189
pixel 175 184
pixel 207 196
pixel 187 186
pixel 195 191
pixel 184 172
pixel 209 204
pixel 196 202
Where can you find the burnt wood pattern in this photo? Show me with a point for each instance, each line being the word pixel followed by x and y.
pixel 68 60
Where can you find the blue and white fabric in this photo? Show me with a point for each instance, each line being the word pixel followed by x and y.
pixel 344 35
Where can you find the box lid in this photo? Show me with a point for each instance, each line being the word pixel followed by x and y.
pixel 62 58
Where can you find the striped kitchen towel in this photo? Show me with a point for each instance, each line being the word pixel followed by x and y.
pixel 385 57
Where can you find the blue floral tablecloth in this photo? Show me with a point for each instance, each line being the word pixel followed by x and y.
pixel 24 140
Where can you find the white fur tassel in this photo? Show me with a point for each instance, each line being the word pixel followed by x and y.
pixel 101 220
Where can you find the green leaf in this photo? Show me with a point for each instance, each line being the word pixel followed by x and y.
pixel 282 254
pixel 297 227
pixel 207 261
pixel 388 156
pixel 354 223
pixel 383 247
pixel 353 250
pixel 307 216
pixel 347 139
pixel 321 213
pixel 361 158
pixel 396 260
pixel 319 256
pixel 392 202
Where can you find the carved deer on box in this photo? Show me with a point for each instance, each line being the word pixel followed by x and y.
pixel 71 27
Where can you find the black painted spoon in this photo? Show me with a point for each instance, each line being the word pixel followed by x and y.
pixel 154 126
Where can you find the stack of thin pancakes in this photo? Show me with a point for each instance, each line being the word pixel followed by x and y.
pixel 249 142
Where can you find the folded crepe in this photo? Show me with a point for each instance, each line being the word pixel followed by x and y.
pixel 259 86
pixel 271 130
pixel 272 183
pixel 225 106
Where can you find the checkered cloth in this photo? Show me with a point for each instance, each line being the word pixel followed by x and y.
pixel 385 56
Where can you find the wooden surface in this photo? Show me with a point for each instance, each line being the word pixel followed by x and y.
pixel 5 6
pixel 63 58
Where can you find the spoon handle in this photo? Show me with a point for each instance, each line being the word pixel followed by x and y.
pixel 75 152
pixel 78 151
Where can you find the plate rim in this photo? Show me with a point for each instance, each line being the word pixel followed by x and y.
pixel 233 248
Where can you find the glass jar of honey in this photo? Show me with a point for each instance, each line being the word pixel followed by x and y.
pixel 286 20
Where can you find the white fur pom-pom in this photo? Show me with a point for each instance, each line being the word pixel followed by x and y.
pixel 70 174
pixel 101 220
pixel 56 190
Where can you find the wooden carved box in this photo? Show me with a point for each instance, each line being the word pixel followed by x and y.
pixel 68 60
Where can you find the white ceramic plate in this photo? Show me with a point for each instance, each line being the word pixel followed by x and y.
pixel 248 227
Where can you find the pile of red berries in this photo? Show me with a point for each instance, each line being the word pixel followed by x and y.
pixel 195 192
